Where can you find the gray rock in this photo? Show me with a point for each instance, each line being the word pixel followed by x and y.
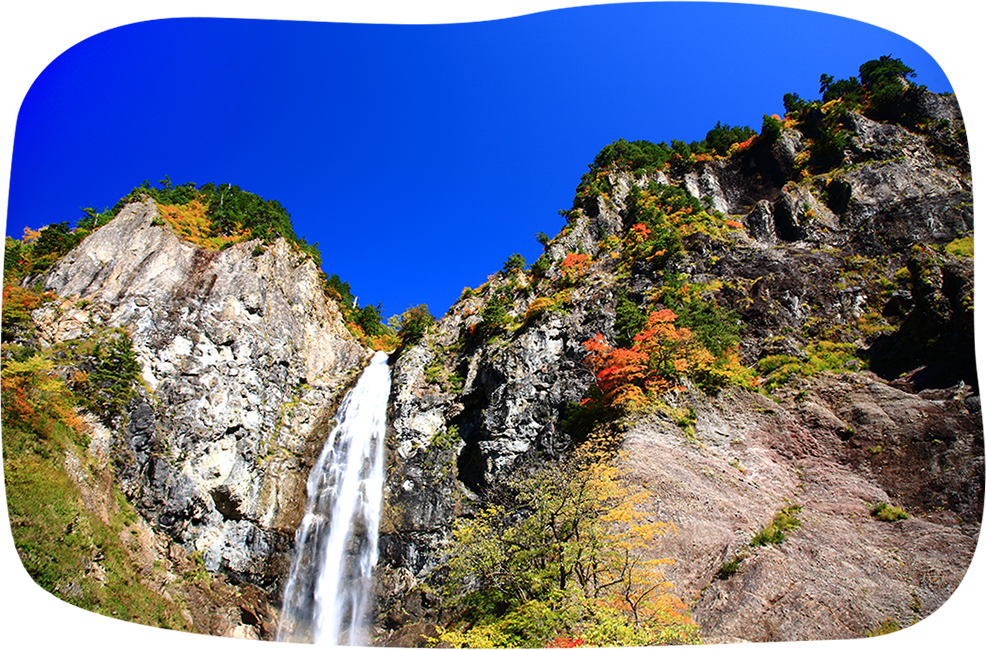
pixel 243 358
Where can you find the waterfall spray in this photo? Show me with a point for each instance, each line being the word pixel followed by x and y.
pixel 327 595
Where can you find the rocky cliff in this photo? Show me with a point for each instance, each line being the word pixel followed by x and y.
pixel 854 311
pixel 835 299
pixel 242 358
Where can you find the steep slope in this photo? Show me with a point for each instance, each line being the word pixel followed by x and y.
pixel 242 358
pixel 828 367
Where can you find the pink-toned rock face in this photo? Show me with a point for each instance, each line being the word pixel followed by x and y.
pixel 751 457
pixel 845 271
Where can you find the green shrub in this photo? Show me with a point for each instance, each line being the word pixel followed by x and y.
pixel 515 262
pixel 723 136
pixel 729 569
pixel 886 512
pixel 639 154
pixel 771 129
pixel 774 532
pixel 414 325
pixel 495 313
pixel 630 319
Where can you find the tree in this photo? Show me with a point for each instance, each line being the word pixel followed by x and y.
pixel 885 73
pixel 564 551
pixel 723 136
pixel 495 313
pixel 771 128
pixel 515 262
pixel 793 104
pixel 414 325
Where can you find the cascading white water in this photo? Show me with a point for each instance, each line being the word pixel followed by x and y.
pixel 328 589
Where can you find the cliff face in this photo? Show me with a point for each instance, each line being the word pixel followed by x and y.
pixel 855 257
pixel 243 359
pixel 849 299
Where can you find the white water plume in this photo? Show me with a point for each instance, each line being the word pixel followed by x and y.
pixel 327 595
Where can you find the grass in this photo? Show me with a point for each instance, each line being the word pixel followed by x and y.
pixel 65 548
pixel 820 356
pixel 886 512
pixel 729 569
pixel 775 531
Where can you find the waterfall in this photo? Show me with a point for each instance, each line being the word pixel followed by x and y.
pixel 328 591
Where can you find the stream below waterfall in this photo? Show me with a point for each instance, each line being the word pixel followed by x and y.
pixel 327 595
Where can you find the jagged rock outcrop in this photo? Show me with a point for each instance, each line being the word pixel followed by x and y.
pixel 243 359
pixel 854 256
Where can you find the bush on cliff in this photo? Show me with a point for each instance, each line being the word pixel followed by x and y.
pixel 561 553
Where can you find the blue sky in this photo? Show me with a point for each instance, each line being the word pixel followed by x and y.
pixel 419 157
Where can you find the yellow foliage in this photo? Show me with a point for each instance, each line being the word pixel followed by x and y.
pixel 189 221
pixel 30 235
pixel 580 563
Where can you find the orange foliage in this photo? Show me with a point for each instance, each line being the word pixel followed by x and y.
pixel 190 222
pixel 639 233
pixel 574 265
pixel 30 235
pixel 18 303
pixel 659 355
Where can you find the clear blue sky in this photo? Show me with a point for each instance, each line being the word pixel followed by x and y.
pixel 419 157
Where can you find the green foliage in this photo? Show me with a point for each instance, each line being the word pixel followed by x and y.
pixel 515 262
pixel 729 569
pixel 541 267
pixel 874 93
pixel 716 328
pixel 794 105
pixel 55 240
pixel 414 325
pixel 18 303
pixel 58 540
pixel 886 512
pixel 775 531
pixel 961 247
pixel 495 313
pixel 723 136
pixel 370 320
pixel 365 323
pixel 340 291
pixel 108 373
pixel 682 149
pixel 630 319
pixel 884 78
pixel 232 209
pixel 13 259
pixel 848 90
pixel 771 129
pixel 561 552
pixel 820 356
pixel 638 154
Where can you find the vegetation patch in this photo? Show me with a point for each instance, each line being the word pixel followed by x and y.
pixel 65 548
pixel 729 569
pixel 886 512
pixel 560 554
pixel 820 356
pixel 776 531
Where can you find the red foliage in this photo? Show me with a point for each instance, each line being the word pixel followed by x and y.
pixel 660 354
pixel 18 303
pixel 566 642
pixel 574 264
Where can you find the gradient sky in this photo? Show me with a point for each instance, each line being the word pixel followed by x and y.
pixel 419 157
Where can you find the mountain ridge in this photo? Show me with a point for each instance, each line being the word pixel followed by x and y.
pixel 817 322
